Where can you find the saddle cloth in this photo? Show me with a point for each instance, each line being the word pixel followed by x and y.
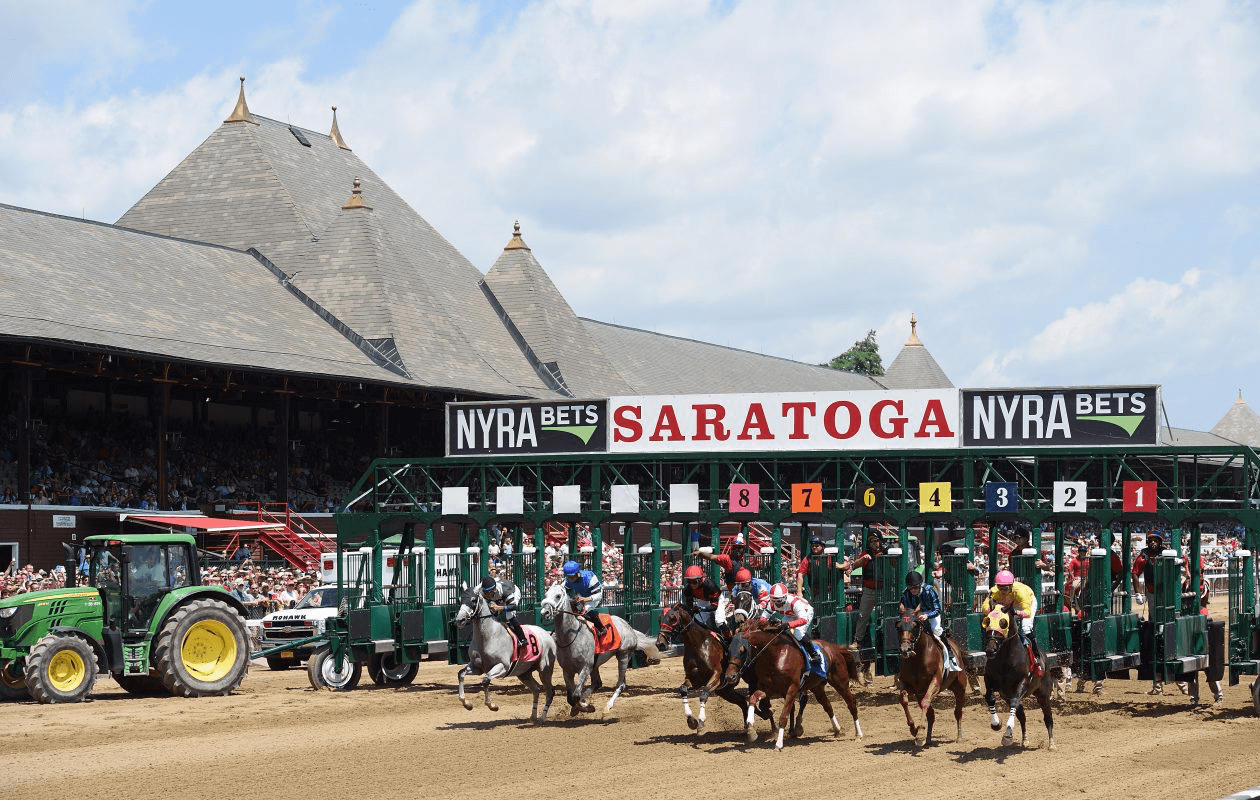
pixel 1034 666
pixel 531 652
pixel 816 667
pixel 611 640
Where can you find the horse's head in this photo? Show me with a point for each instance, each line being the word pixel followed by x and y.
pixel 673 621
pixel 908 628
pixel 469 601
pixel 998 623
pixel 738 654
pixel 554 601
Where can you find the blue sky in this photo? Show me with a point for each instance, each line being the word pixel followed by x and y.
pixel 1062 193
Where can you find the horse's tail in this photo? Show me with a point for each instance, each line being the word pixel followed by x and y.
pixel 851 663
pixel 647 647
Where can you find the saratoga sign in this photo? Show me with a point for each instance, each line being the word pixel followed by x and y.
pixel 864 420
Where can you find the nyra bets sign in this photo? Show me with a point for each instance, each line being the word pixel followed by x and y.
pixel 1097 416
pixel 865 420
pixel 522 428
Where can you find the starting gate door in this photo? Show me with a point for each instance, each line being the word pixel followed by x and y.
pixel 1052 627
pixel 959 612
pixel 641 590
pixel 1244 633
pixel 890 572
pixel 1109 636
pixel 1178 642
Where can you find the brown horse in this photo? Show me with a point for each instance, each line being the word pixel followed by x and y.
pixel 921 673
pixel 704 656
pixel 1008 671
pixel 779 665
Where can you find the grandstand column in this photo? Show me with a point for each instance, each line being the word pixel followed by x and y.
pixel 430 566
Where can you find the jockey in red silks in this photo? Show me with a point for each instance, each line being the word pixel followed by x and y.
pixel 796 612
pixel 700 595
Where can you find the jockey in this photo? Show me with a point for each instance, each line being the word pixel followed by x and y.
pixel 503 597
pixel 586 592
pixel 1010 592
pixel 744 582
pixel 700 595
pixel 730 564
pixel 797 613
pixel 925 603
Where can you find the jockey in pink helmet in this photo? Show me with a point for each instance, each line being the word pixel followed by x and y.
pixel 1022 599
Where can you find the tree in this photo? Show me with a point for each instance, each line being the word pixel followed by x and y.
pixel 862 357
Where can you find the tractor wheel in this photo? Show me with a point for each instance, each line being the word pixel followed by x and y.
pixel 322 671
pixel 12 682
pixel 60 668
pixel 385 670
pixel 203 649
pixel 280 664
pixel 141 685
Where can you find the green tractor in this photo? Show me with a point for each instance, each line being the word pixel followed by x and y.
pixel 142 616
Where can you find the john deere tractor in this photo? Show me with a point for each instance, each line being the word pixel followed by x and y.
pixel 142 616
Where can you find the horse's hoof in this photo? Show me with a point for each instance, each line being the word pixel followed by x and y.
pixel 1007 741
pixel 692 723
pixel 588 708
pixel 699 730
pixel 467 705
pixel 750 735
pixel 492 706
pixel 996 727
pixel 919 742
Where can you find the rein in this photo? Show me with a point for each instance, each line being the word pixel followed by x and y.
pixel 577 631
pixel 745 665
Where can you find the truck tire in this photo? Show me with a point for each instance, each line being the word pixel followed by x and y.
pixel 322 672
pixel 386 671
pixel 141 685
pixel 60 668
pixel 280 664
pixel 202 650
pixel 12 682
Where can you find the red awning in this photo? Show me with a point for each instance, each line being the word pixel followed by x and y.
pixel 203 523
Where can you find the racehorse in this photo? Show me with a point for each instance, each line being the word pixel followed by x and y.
pixel 492 650
pixel 922 676
pixel 704 654
pixel 781 671
pixel 575 650
pixel 1008 671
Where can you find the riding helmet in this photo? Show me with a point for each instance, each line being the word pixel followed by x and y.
pixel 571 569
pixel 488 584
pixel 914 579
pixel 1005 578
pixel 743 576
pixel 778 594
pixel 814 541
pixel 694 572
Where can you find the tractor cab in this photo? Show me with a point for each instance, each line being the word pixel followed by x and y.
pixel 133 577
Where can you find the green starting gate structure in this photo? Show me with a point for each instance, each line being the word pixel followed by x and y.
pixel 863 489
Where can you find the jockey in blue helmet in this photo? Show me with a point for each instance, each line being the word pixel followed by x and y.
pixel 586 592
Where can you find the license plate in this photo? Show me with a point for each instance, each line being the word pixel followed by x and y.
pixel 286 654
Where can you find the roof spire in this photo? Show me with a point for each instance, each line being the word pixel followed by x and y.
pixel 356 198
pixel 517 242
pixel 335 134
pixel 914 336
pixel 241 112
pixel 1240 400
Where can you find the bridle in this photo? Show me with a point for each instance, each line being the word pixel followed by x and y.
pixel 559 609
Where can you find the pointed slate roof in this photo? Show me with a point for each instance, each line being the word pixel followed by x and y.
pixel 546 322
pixel 914 367
pixel 1240 424
pixel 86 283
pixel 261 185
pixel 655 363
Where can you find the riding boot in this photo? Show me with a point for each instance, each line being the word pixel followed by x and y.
pixel 599 624
pixel 810 653
pixel 519 631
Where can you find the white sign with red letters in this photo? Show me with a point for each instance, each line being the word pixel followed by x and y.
pixel 916 419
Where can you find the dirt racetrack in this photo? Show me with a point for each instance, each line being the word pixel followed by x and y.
pixel 278 738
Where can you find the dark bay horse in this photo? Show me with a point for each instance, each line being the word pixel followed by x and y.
pixel 770 651
pixel 1007 671
pixel 704 657
pixel 922 676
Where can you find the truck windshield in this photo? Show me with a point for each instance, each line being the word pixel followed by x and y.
pixel 323 597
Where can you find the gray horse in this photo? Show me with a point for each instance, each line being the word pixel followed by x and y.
pixel 491 654
pixel 575 650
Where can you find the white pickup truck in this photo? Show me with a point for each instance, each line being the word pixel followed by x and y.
pixel 305 619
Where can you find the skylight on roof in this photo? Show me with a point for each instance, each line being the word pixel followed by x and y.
pixel 297 134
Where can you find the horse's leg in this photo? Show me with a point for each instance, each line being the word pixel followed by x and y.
pixel 1047 716
pixel 497 671
pixel 840 680
pixel 528 679
pixel 820 693
pixel 571 692
pixel 754 699
pixel 789 699
pixel 462 672
pixel 798 724
pixel 1023 722
pixel 960 699
pixel 925 708
pixel 623 661
pixel 990 700
pixel 545 671
pixel 904 696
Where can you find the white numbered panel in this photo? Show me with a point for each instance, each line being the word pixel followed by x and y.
pixel 1069 496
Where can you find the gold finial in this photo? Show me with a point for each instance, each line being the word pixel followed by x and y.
pixel 356 198
pixel 241 112
pixel 517 242
pixel 1239 401
pixel 914 336
pixel 335 134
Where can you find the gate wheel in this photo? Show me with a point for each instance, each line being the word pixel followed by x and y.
pixel 322 672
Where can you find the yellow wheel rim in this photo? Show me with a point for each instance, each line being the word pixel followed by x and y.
pixel 66 671
pixel 208 651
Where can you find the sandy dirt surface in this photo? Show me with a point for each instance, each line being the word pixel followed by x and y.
pixel 279 738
